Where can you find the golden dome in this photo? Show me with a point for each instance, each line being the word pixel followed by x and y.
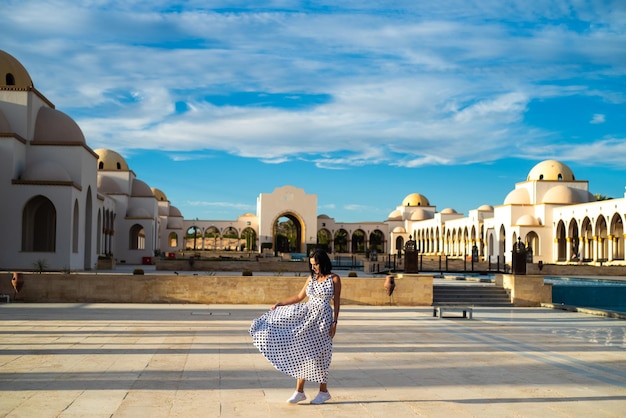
pixel 110 160
pixel 13 73
pixel 415 199
pixel 551 170
pixel 159 194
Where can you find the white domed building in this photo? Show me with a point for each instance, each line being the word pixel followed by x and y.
pixel 552 213
pixel 64 204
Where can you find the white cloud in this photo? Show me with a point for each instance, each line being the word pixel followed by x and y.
pixel 598 118
pixel 238 206
pixel 610 152
pixel 422 84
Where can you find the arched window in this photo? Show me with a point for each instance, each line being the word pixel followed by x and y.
pixel 173 239
pixel 399 244
pixel 101 165
pixel 75 228
pixel 137 237
pixel 341 241
pixel 10 79
pixel 39 225
pixel 249 235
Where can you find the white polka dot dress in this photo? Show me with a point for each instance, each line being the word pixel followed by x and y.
pixel 295 338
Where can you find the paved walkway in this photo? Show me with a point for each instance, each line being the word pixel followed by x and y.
pixel 108 360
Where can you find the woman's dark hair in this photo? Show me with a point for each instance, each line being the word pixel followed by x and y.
pixel 323 260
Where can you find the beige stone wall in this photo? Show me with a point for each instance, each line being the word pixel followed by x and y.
pixel 273 264
pixel 525 290
pixel 411 290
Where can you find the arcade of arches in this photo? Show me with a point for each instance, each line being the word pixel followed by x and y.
pixel 287 239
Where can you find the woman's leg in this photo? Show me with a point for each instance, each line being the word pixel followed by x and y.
pixel 300 385
pixel 323 396
pixel 298 395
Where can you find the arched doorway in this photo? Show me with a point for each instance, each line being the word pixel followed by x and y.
pixel 358 241
pixel 39 225
pixel 288 234
pixel 249 235
pixel 340 241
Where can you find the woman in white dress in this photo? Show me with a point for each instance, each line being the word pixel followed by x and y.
pixel 297 338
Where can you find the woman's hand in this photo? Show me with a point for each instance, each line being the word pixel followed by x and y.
pixel 332 330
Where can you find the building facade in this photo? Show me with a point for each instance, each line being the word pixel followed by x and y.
pixel 65 206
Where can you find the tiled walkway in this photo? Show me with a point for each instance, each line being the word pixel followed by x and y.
pixel 86 360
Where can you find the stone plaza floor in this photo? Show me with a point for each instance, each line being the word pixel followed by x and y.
pixel 131 360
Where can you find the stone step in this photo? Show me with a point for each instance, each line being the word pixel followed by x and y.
pixel 470 295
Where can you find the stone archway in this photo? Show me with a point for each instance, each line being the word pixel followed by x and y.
pixel 287 232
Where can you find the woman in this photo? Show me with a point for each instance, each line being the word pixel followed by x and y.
pixel 297 338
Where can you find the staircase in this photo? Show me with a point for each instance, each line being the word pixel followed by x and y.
pixel 470 295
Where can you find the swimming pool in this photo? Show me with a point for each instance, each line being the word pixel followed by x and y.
pixel 605 294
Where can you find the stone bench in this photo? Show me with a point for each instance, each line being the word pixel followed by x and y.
pixel 466 310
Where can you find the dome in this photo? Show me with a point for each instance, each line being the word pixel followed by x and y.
pixel 110 160
pixel 163 210
pixel 175 212
pixel 415 199
pixel 396 215
pixel 527 220
pixel 108 186
pixel 175 223
pixel 485 208
pixel 399 230
pixel 159 194
pixel 137 212
pixel 5 126
pixel 46 171
pixel 563 195
pixel 448 211
pixel 13 73
pixel 55 127
pixel 323 216
pixel 551 170
pixel 420 214
pixel 517 197
pixel 141 189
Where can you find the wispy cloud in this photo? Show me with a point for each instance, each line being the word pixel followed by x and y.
pixel 352 84
pixel 598 118
pixel 239 206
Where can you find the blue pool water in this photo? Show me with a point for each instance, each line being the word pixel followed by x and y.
pixel 589 293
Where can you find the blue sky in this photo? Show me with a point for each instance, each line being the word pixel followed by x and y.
pixel 359 102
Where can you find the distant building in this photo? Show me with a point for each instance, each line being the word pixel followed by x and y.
pixel 552 213
pixel 64 206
